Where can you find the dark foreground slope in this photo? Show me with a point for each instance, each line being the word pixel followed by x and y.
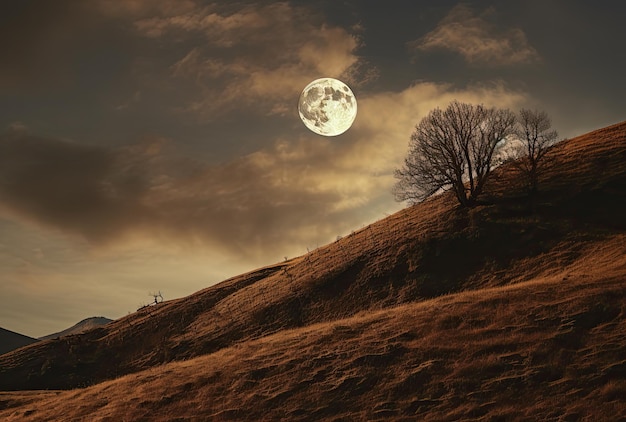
pixel 536 304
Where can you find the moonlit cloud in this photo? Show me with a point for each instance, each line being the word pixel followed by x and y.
pixel 255 57
pixel 478 39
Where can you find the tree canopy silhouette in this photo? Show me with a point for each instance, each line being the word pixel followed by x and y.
pixel 453 149
pixel 536 135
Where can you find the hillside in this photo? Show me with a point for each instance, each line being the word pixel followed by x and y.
pixel 80 327
pixel 433 311
pixel 558 346
pixel 10 340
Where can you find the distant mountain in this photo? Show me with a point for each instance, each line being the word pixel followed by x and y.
pixel 81 327
pixel 10 340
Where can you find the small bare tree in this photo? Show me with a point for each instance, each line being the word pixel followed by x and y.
pixel 536 135
pixel 453 149
pixel 158 298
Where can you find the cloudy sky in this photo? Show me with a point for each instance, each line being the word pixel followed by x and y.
pixel 151 145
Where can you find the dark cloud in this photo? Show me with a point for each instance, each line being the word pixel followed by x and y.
pixel 271 197
pixel 73 187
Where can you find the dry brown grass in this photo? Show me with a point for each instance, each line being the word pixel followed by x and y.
pixel 433 313
pixel 539 350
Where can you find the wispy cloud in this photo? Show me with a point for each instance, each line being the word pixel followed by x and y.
pixel 76 187
pixel 478 39
pixel 253 56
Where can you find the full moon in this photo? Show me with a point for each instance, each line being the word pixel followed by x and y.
pixel 327 106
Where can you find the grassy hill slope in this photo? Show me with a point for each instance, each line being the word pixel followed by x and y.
pixel 478 306
pixel 545 349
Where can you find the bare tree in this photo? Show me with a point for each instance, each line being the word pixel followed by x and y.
pixel 536 135
pixel 156 297
pixel 453 149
